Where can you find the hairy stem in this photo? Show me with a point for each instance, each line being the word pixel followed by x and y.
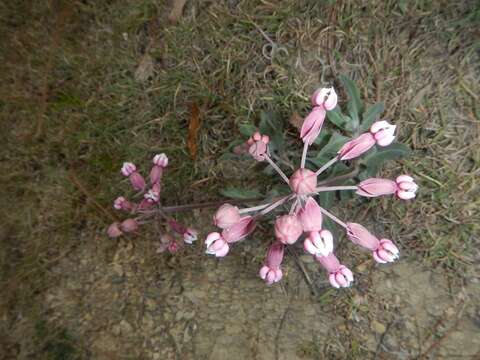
pixel 254 208
pixel 275 205
pixel 335 188
pixel 304 154
pixel 326 166
pixel 277 169
pixel 294 206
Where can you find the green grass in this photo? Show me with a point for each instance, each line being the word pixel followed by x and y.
pixel 76 77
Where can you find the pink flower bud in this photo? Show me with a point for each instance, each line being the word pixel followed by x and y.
pixel 326 97
pixel 329 262
pixel 386 252
pixel 145 204
pixel 361 236
pixel 156 174
pixel 383 132
pixel 312 125
pixel 303 181
pixel 137 181
pixel 340 275
pixel 226 216
pixel 319 243
pixel 190 235
pixel 121 203
pixel 176 226
pixel 288 229
pixel 275 254
pixel 128 168
pixel 343 277
pixel 311 216
pixel 406 187
pixel 270 275
pixel 239 230
pixel 356 147
pixel 258 146
pixel 271 272
pixel 376 187
pixel 152 196
pixel 216 245
pixel 160 160
pixel 114 231
pixel 129 225
pixel 173 247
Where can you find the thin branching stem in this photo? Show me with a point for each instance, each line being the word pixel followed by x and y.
pixel 335 188
pixel 254 208
pixel 275 205
pixel 277 169
pixel 333 217
pixel 294 206
pixel 304 154
pixel 326 166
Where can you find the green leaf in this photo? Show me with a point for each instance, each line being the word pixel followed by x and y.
pixel 247 129
pixel 347 194
pixel 239 193
pixel 371 115
pixel 336 118
pixel 375 160
pixel 278 190
pixel 323 137
pixel 339 168
pixel 334 144
pixel 355 106
pixel 326 199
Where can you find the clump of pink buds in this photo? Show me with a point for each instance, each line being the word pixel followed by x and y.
pixel 148 206
pixel 305 218
pixel 258 146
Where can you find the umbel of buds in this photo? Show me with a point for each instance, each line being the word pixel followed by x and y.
pixel 149 204
pixel 304 222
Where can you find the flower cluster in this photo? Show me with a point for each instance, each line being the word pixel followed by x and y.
pixel 305 218
pixel 149 205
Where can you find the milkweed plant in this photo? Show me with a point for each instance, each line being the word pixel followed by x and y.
pixel 308 212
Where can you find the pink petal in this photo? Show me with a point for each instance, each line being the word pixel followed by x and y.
pixel 385 141
pixel 405 195
pixel 378 258
pixel 404 178
pixel 309 247
pixel 263 272
pixel 223 251
pixel 341 279
pixel 347 273
pixel 270 277
pixel 333 281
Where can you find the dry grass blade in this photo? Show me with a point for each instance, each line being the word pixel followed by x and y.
pixel 176 11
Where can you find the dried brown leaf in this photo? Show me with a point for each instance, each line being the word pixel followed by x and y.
pixel 296 120
pixel 193 128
